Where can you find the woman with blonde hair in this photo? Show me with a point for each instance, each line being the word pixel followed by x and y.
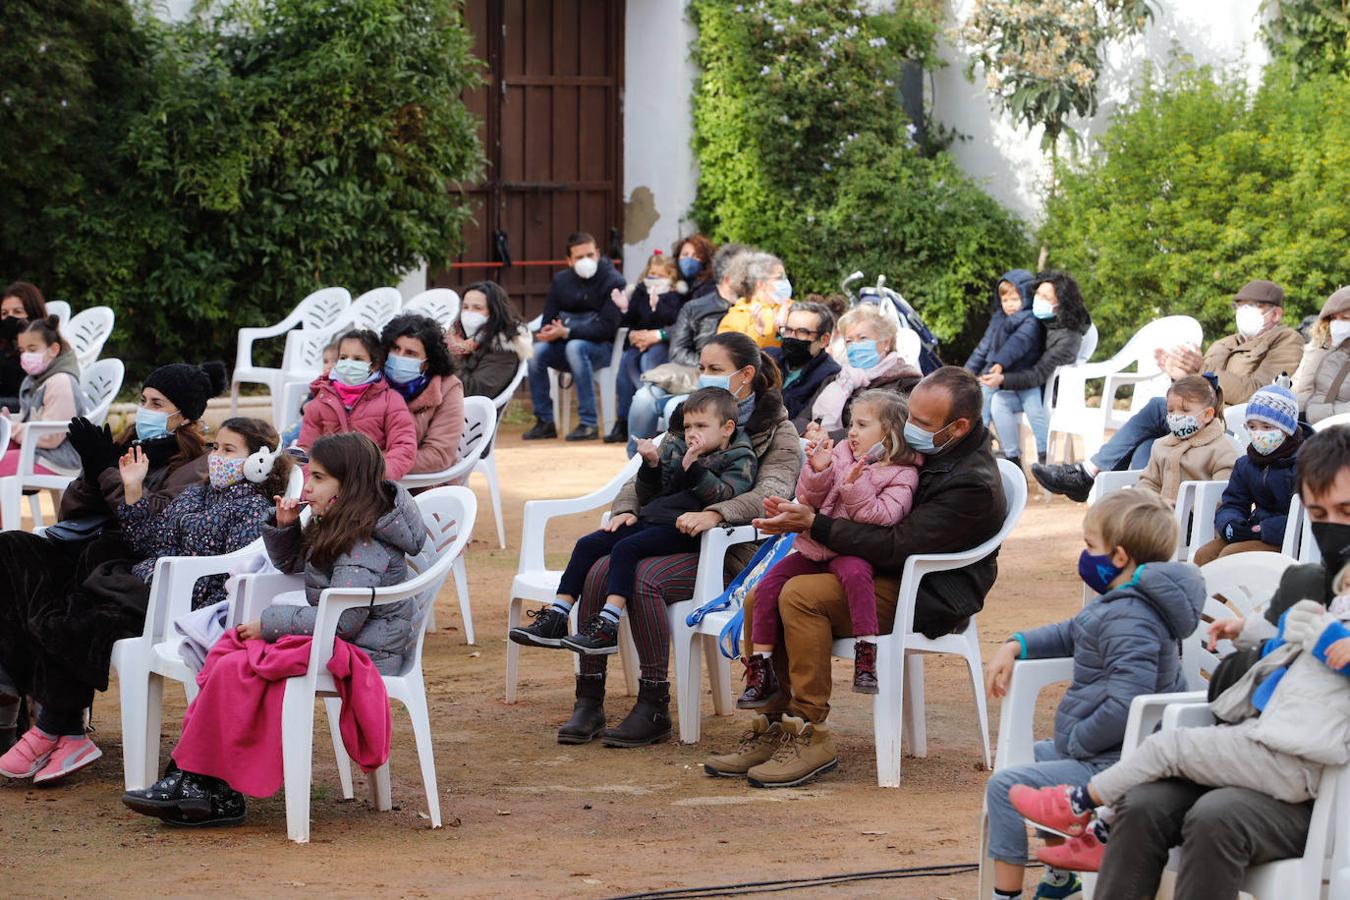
pixel 1322 383
pixel 871 361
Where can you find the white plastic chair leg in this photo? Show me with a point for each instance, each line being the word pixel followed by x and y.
pixel 141 694
pixel 381 796
pixel 488 465
pixel 35 508
pixel 886 716
pixel 972 656
pixel 916 728
pixel 607 401
pixel 416 702
pixel 629 657
pixel 719 676
pixel 512 648
pixel 297 755
pixel 234 398
pixel 333 707
pixel 462 588
pixel 11 507
pixel 688 659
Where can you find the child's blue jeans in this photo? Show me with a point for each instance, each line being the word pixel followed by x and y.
pixel 1007 828
pixel 1006 406
pixel 626 547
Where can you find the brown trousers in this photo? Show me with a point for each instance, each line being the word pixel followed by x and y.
pixel 1219 547
pixel 814 611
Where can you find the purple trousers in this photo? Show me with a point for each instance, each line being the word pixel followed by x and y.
pixel 854 573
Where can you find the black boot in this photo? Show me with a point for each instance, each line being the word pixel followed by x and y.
pixel 649 721
pixel 588 715
pixel 619 433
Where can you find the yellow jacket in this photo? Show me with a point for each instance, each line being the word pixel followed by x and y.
pixel 755 319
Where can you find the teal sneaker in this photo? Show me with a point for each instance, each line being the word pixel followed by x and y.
pixel 1059 886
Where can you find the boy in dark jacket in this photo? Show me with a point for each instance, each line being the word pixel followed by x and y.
pixel 1125 643
pixel 577 336
pixel 712 461
pixel 1255 504
pixel 1013 339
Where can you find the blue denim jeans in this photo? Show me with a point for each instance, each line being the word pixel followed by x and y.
pixel 634 363
pixel 1007 828
pixel 1130 446
pixel 574 355
pixel 1007 406
pixel 644 414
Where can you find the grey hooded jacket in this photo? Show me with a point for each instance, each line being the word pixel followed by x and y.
pixel 385 632
pixel 1125 643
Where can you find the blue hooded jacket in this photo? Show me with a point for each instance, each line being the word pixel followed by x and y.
pixel 1014 342
pixel 1259 492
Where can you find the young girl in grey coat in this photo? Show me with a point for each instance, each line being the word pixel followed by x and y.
pixel 362 527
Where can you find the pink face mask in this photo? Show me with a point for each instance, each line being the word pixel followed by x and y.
pixel 34 362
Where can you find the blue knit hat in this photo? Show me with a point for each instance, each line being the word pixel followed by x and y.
pixel 1274 405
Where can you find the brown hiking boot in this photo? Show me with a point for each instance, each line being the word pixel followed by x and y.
pixel 864 667
pixel 757 746
pixel 806 750
pixel 761 685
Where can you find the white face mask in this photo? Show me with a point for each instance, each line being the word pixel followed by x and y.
pixel 472 322
pixel 1340 331
pixel 585 267
pixel 656 286
pixel 1250 321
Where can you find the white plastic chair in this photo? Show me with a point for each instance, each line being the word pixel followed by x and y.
pixel 1108 482
pixel 536 582
pixel 60 309
pixel 909 345
pixel 143 663
pixel 448 513
pixel 440 304
pixel 480 425
pixel 1236 585
pixel 1070 413
pixel 487 464
pixel 315 313
pixel 375 308
pixel 1332 421
pixel 99 382
pixel 1085 351
pixel 1298 538
pixel 88 330
pixel 1235 421
pixel 1204 507
pixel 605 380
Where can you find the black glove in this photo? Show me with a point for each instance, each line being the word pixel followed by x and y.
pixel 95 447
pixel 1234 532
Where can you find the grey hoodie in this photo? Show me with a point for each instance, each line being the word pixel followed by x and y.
pixel 385 632
pixel 1125 643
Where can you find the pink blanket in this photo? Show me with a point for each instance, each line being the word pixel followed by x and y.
pixel 232 731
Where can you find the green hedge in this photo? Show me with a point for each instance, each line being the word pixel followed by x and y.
pixel 216 170
pixel 803 149
pixel 1201 185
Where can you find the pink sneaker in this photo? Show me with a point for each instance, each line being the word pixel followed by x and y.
pixel 71 753
pixel 26 758
pixel 1081 854
pixel 1049 808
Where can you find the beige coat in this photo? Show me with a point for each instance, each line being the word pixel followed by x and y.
pixel 1245 365
pixel 1322 369
pixel 1207 455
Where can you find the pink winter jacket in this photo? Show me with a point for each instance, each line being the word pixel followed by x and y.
pixel 379 413
pixel 882 495
pixel 438 413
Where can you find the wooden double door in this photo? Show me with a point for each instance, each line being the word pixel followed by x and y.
pixel 552 130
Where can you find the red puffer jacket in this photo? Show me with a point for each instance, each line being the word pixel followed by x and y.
pixel 379 413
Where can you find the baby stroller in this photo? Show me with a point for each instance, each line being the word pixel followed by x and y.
pixel 896 308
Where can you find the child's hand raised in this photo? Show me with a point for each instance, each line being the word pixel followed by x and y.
pixel 650 453
pixel 820 454
pixel 858 468
pixel 696 445
pixel 620 299
pixel 814 432
pixel 288 511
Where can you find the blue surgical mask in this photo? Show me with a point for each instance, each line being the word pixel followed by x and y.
pixel 863 354
pixel 782 290
pixel 1097 570
pixel 923 441
pixel 402 369
pixel 689 266
pixel 722 381
pixel 1042 309
pixel 151 424
pixel 351 372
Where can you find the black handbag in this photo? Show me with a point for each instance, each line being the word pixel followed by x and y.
pixel 84 528
pixel 1230 670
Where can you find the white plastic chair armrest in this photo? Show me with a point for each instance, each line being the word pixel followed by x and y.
pixel 333 602
pixel 256 591
pixel 1017 714
pixel 1146 713
pixel 1188 715
pixel 28 446
pixel 712 558
pixel 175 577
pixel 1088 371
pixel 539 512
pixel 243 355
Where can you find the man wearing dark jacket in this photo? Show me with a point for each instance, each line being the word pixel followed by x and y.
pixel 1223 831
pixel 577 336
pixel 806 365
pixel 958 505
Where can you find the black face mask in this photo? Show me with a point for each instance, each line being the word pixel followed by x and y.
pixel 796 352
pixel 1334 542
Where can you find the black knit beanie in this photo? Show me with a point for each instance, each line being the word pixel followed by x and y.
pixel 188 387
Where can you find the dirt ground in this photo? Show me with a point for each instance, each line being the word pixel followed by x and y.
pixel 527 817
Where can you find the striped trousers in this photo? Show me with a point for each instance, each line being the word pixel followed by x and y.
pixel 661 581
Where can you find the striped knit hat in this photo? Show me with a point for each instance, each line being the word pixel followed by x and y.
pixel 1274 405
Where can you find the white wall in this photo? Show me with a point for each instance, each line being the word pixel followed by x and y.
pixel 657 125
pixel 1222 33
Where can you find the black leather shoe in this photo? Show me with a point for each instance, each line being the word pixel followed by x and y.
pixel 1069 480
pixel 649 721
pixel 178 793
pixel 588 715
pixel 547 630
pixel 541 431
pixel 618 434
pixel 227 806
pixel 583 433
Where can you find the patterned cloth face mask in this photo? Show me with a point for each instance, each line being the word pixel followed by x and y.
pixel 1183 425
pixel 224 471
